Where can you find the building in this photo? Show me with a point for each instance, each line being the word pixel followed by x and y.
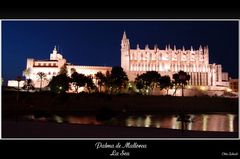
pixel 233 85
pixel 171 60
pixel 52 67
pixel 137 61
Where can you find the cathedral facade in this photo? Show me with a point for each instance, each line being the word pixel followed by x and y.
pixel 171 60
pixel 137 61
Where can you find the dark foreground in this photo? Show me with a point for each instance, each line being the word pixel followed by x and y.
pixel 29 129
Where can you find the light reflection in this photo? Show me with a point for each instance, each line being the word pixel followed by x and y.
pixel 205 117
pixel 231 119
pixel 130 121
pixel 147 121
pixel 158 124
pixel 199 122
pixel 139 121
pixel 83 120
pixel 174 122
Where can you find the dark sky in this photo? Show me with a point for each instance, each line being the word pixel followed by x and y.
pixel 98 42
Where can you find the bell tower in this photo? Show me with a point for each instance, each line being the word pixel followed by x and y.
pixel 125 51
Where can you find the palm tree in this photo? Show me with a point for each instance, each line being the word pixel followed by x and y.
pixel 41 75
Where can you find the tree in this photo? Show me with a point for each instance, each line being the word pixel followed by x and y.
pixel 63 69
pixel 149 80
pixel 89 83
pixel 180 79
pixel 108 81
pixel 72 70
pixel 59 83
pixel 78 80
pixel 118 78
pixel 42 76
pixel 165 83
pixel 101 79
pixel 139 83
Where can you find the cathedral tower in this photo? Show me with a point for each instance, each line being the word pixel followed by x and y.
pixel 125 51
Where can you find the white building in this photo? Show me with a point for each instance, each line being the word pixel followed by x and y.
pixel 52 67
pixel 171 60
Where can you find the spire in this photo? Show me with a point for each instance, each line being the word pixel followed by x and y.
pixel 183 48
pixel 175 47
pixel 155 47
pixel 169 47
pixel 166 48
pixel 55 50
pixel 200 48
pixel 124 35
pixel 191 48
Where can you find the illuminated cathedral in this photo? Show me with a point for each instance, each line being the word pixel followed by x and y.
pixel 171 60
pixel 137 61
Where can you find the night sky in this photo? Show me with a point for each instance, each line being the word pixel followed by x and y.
pixel 98 42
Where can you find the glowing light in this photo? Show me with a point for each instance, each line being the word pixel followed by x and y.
pixel 229 90
pixel 203 88
pixel 189 87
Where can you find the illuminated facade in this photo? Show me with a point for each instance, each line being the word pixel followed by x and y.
pixel 52 67
pixel 171 60
pixel 233 85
